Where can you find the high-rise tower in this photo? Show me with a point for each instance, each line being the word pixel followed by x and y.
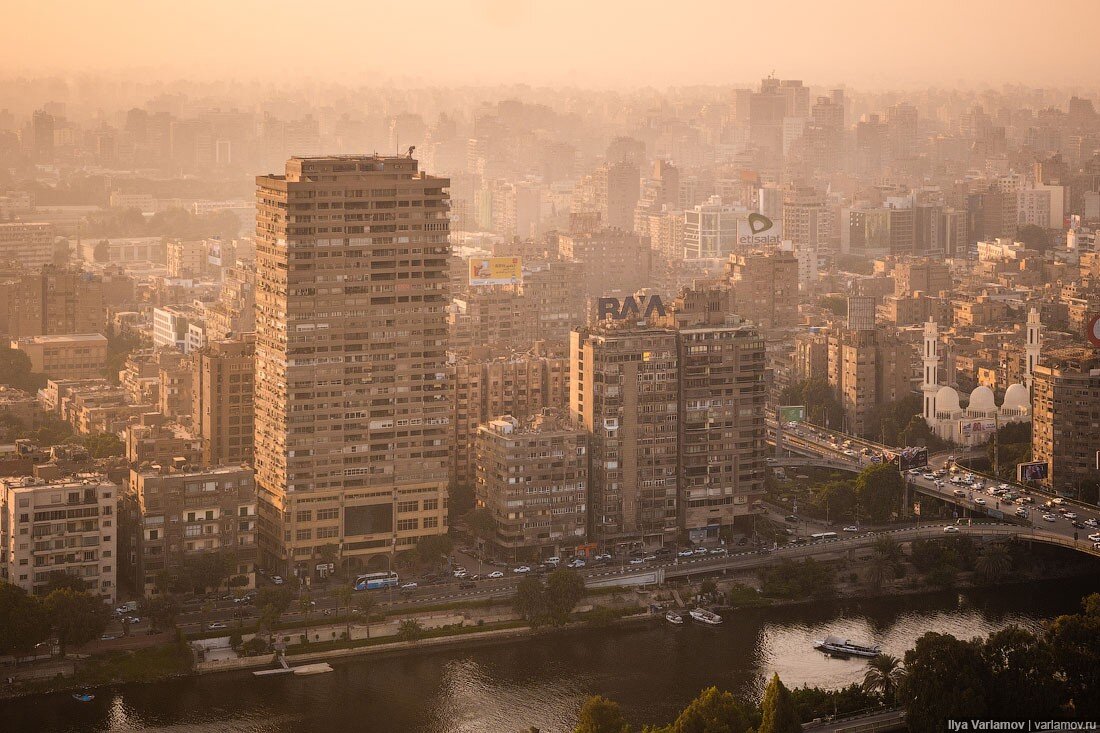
pixel 351 403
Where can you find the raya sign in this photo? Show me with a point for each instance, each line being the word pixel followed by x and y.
pixel 629 307
pixel 495 271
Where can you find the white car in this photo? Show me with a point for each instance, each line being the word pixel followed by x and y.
pixel 1070 515
pixel 521 569
pixel 1094 537
pixel 950 529
pixel 1050 517
pixel 409 586
pixel 929 477
pixel 1058 500
pixel 552 560
pixel 604 556
pixel 495 574
pixel 217 625
pixel 1092 523
pixel 914 471
pixel 700 550
pixel 637 560
pixel 851 528
pixel 576 563
pixel 979 500
pixel 685 553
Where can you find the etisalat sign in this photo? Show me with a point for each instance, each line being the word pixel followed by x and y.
pixel 758 229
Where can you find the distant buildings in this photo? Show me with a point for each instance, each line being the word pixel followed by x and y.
pixel 65 356
pixel 31 245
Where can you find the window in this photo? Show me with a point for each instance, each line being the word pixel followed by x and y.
pixel 303 534
pixel 325 514
pixel 404 507
pixel 305 516
pixel 431 522
pixel 430 505
pixel 327 532
pixel 404 525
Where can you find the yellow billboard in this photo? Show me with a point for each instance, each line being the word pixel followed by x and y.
pixel 495 271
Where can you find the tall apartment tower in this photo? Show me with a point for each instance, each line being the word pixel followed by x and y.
pixel 351 392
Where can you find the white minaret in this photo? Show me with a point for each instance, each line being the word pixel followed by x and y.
pixel 931 359
pixel 1034 345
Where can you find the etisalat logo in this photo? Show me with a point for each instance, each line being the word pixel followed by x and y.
pixel 758 225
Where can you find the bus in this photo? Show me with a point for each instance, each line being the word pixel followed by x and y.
pixel 374 581
pixel 823 536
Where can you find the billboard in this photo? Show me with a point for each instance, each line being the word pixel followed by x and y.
pixel 907 458
pixel 758 229
pixel 1032 471
pixel 792 413
pixel 495 271
pixel 978 427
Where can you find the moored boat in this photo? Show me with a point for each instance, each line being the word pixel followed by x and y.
pixel 674 617
pixel 83 697
pixel 835 646
pixel 704 616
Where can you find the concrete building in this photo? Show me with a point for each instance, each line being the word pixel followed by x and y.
pixel 1066 416
pixel 222 412
pixel 624 390
pixel 31 245
pixel 710 230
pixel 861 312
pixel 186 514
pixel 612 259
pixel 52 301
pixel 65 356
pixel 532 475
pixel 765 287
pixel 66 527
pixel 925 276
pixel 186 259
pixel 178 326
pixel 351 434
pixel 868 368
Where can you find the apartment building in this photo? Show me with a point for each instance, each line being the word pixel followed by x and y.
pixel 30 244
pixel 868 368
pixel 1066 416
pixel 532 476
pixel 765 287
pixel 222 411
pixel 64 527
pixel 52 301
pixel 351 433
pixel 188 513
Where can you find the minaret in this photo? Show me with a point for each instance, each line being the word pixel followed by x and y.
pixel 931 359
pixel 1034 345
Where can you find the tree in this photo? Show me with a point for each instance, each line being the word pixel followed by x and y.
pixel 883 676
pixel 273 602
pixel 600 715
pixel 366 603
pixel 818 397
pixel 879 489
pixel 433 548
pixel 778 711
pixel 1075 641
pixel 343 595
pixel 59 579
pixel 945 679
pixel 835 500
pixel 15 370
pixel 24 621
pixel 329 553
pixel 161 610
pixel 76 618
pixel 993 562
pixel 530 601
pixel 410 630
pixel 564 588
pixel 1035 237
pixel 481 523
pixel 1023 679
pixel 103 445
pixel 461 500
pixel 712 712
pixel 305 605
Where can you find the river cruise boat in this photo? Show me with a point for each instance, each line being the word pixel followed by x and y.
pixel 704 616
pixel 834 645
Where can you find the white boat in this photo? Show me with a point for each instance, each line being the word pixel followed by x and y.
pixel 674 617
pixel 704 616
pixel 834 645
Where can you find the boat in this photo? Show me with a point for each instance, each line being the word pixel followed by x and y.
pixel 674 617
pixel 704 616
pixel 834 645
pixel 308 669
pixel 83 697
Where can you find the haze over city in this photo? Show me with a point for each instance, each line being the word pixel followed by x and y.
pixel 549 367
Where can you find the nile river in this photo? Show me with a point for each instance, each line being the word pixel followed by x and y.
pixel 651 670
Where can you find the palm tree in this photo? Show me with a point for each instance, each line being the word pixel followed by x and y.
pixel 366 605
pixel 410 630
pixel 305 605
pixel 343 594
pixel 994 562
pixel 883 676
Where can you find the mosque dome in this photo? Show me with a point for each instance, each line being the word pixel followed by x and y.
pixel 947 400
pixel 982 399
pixel 1016 398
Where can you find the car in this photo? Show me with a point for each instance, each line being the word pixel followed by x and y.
pixel 107 637
pixel 959 492
pixel 951 459
pixel 637 560
pixel 722 550
pixel 1076 525
pixel 769 460
pixel 851 528
pixel 1058 500
pixel 1071 515
pixel 685 553
pixel 132 620
pixel 467 585
pixel 1050 517
pixel 979 500
pixel 700 550
pixel 950 529
pixel 216 626
pixel 495 574
pixel 460 574
pixel 850 453
pixel 1092 523
pixel 521 569
pixel 409 586
pixel 790 518
pixel 1095 537
pixel 740 543
pixel 929 476
pixel 552 560
pixel 1096 545
pixel 277 579
pixel 576 563
pixel 914 472
pixel 604 556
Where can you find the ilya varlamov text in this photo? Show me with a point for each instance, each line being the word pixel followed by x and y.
pixel 1025 725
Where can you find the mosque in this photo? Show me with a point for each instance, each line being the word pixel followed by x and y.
pixel 975 424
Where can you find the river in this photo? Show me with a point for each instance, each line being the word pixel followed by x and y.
pixel 653 671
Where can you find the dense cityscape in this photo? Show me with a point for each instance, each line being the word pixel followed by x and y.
pixel 462 403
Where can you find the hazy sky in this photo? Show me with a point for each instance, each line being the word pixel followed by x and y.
pixel 865 43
